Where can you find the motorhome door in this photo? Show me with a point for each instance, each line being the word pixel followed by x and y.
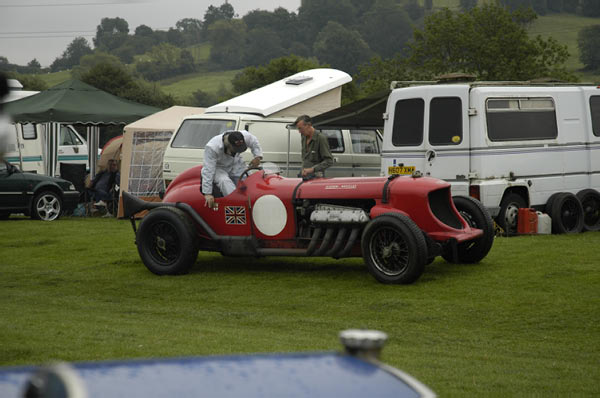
pixel 428 131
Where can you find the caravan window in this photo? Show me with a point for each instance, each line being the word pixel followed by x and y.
pixel 335 140
pixel 68 137
pixel 517 119
pixel 195 133
pixel 29 132
pixel 408 122
pixel 365 141
pixel 595 111
pixel 445 121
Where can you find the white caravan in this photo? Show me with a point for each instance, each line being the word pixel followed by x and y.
pixel 26 147
pixel 269 113
pixel 510 145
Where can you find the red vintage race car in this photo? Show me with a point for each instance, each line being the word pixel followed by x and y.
pixel 398 224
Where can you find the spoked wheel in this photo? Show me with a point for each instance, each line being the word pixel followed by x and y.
pixel 567 214
pixel 590 201
pixel 166 241
pixel 476 216
pixel 394 249
pixel 46 206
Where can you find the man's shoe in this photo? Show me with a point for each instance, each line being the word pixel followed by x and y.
pixel 100 203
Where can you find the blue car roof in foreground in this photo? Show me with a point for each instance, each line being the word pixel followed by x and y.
pixel 267 375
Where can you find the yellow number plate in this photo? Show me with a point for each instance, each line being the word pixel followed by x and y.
pixel 401 170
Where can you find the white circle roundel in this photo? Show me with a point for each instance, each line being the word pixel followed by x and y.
pixel 269 215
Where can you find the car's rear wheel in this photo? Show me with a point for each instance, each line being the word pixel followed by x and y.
pixel 46 206
pixel 394 249
pixel 590 201
pixel 567 214
pixel 477 217
pixel 166 241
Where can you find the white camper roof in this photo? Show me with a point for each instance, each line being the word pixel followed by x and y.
pixel 285 93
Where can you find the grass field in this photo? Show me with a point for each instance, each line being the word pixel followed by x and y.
pixel 524 322
pixel 184 86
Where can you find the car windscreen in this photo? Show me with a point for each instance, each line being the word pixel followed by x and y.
pixel 195 133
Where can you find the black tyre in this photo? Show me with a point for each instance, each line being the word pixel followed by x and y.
pixel 394 249
pixel 46 206
pixel 548 206
pixel 508 217
pixel 567 214
pixel 166 241
pixel 590 201
pixel 477 217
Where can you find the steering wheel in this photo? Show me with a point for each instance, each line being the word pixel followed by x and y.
pixel 245 173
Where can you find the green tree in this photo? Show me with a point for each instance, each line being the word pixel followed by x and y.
pixel 252 77
pixel 377 74
pixel 467 5
pixel 341 48
pixel 490 42
pixel 71 56
pixel 30 82
pixel 588 41
pixel 590 8
pixel 228 39
pixel 224 12
pixel 191 29
pixel 555 5
pixel 118 81
pixel 386 28
pixel 34 64
pixel 414 10
pixel 314 15
pixel 570 6
pixel 262 46
pixel 280 21
pixel 165 60
pixel 112 33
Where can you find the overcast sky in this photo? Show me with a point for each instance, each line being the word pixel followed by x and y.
pixel 43 29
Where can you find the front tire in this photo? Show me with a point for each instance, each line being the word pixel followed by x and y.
pixel 166 241
pixel 477 217
pixel 509 213
pixel 394 249
pixel 46 206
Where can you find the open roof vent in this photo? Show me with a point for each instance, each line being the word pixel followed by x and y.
pixel 298 80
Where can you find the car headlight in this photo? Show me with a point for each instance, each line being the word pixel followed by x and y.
pixel 166 167
pixel 71 187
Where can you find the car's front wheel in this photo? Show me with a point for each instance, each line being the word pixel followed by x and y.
pixel 394 249
pixel 46 206
pixel 166 241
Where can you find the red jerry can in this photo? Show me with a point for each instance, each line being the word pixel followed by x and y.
pixel 527 222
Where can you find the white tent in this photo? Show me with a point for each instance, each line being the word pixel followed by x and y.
pixel 144 143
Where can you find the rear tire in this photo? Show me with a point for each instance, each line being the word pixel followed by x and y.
pixel 509 213
pixel 166 241
pixel 394 249
pixel 567 214
pixel 590 201
pixel 477 217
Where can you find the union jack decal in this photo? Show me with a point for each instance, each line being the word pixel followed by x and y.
pixel 235 215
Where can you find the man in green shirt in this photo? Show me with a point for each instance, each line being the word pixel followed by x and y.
pixel 316 156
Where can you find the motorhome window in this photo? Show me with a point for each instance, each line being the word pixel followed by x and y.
pixel 518 119
pixel 68 137
pixel 335 140
pixel 29 132
pixel 595 111
pixel 364 141
pixel 445 121
pixel 195 133
pixel 408 122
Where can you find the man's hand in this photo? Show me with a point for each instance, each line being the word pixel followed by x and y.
pixel 308 171
pixel 255 162
pixel 209 201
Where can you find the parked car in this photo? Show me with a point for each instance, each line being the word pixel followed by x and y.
pixel 397 224
pixel 355 372
pixel 39 196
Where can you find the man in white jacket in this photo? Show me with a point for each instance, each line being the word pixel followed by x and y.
pixel 223 163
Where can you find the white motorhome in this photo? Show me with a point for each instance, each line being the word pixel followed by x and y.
pixel 269 113
pixel 26 148
pixel 511 145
